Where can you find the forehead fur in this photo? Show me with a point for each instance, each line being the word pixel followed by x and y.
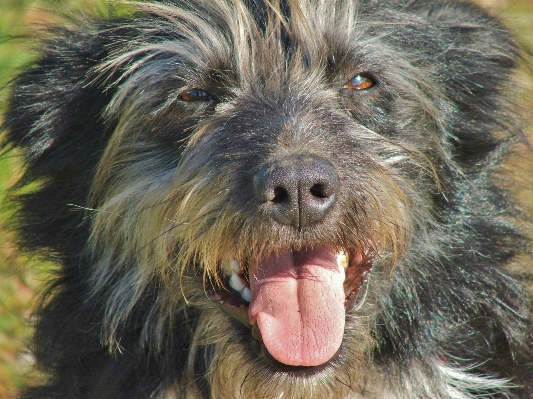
pixel 255 38
pixel 255 46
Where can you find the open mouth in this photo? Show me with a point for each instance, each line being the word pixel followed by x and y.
pixel 295 301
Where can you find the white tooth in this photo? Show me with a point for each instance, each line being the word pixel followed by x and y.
pixel 246 294
pixel 227 270
pixel 342 260
pixel 235 267
pixel 236 282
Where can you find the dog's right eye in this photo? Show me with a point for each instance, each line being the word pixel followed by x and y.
pixel 194 95
pixel 361 81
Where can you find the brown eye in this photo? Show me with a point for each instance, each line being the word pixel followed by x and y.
pixel 194 95
pixel 360 82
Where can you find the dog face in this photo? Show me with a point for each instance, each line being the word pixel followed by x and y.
pixel 286 200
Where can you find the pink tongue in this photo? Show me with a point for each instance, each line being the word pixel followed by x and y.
pixel 298 303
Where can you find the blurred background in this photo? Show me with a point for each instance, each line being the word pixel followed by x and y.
pixel 21 277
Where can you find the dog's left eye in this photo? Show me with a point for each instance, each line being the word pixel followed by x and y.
pixel 194 95
pixel 360 82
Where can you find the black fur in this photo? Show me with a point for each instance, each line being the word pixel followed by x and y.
pixel 449 301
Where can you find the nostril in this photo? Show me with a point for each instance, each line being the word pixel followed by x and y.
pixel 280 195
pixel 319 191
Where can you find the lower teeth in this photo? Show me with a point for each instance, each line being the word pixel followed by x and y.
pixel 237 283
pixel 342 260
pixel 246 294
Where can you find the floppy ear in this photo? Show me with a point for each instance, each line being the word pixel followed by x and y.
pixel 475 63
pixel 55 117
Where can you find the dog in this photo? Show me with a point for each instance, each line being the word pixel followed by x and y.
pixel 275 199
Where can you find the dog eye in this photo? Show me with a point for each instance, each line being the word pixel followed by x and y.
pixel 360 82
pixel 194 95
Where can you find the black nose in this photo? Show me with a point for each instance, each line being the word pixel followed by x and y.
pixel 297 191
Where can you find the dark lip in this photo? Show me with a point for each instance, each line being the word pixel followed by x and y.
pixel 356 278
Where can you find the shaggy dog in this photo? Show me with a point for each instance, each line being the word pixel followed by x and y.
pixel 275 199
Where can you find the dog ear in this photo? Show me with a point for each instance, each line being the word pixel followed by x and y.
pixel 55 117
pixel 475 64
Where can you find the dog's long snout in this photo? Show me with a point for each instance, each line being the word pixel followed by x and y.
pixel 298 191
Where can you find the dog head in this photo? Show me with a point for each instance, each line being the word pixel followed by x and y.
pixel 289 198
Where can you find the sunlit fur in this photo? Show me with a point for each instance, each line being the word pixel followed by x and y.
pixel 144 197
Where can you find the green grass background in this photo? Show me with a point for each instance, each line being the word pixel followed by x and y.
pixel 20 278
